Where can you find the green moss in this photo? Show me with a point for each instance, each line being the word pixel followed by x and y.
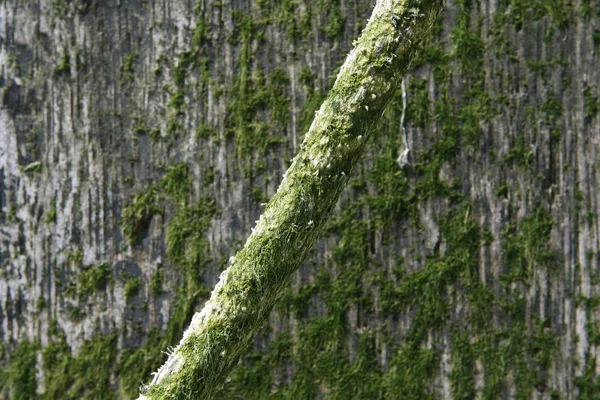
pixel 334 18
pixel 592 105
pixel 321 360
pixel 75 257
pixel 468 47
pixel 320 355
pixel 176 183
pixel 76 314
pixel 503 191
pixel 209 177
pixel 284 14
pixel 50 216
pixel 137 215
pixel 132 287
pixel 537 66
pixel 254 280
pixel 552 109
pixel 33 168
pixel 155 135
pixel 391 202
pixel 174 127
pixel 87 375
pixel 94 279
pixel 591 218
pixel 156 283
pixel 257 196
pixel 253 95
pixel 525 246
pixel 411 370
pixel 596 38
pixel 387 197
pixel 204 131
pixel 277 88
pixel 463 366
pixel 418 108
pixel 557 11
pixel 471 129
pixel 141 129
pixel 64 65
pixel 589 382
pixel 312 103
pixel 259 103
pixel 201 31
pixel 519 153
pixel 128 67
pixel 186 244
pixel 40 304
pixel 177 101
pixel 187 248
pixel 135 365
pixel 22 371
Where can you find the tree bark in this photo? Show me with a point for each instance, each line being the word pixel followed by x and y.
pixel 292 220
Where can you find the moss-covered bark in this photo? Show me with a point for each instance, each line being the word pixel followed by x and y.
pixel 258 274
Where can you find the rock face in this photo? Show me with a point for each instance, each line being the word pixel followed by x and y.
pixel 139 140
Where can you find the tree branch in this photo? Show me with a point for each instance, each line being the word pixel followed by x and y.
pixel 261 271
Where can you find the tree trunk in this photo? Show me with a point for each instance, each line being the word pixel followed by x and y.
pixel 259 273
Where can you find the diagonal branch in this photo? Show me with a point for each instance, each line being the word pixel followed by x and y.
pixel 260 272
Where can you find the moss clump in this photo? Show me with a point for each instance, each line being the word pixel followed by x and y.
pixel 75 257
pixel 155 135
pixel 156 283
pixel 186 244
pixel 334 18
pixel 87 375
pixel 596 38
pixel 520 153
pixel 592 105
pixel 137 215
pixel 259 104
pixel 254 96
pixel 76 314
pixel 141 129
pixel 40 304
pixel 177 101
pixel 187 248
pixel 525 246
pixel 204 131
pixel 22 371
pixel 588 383
pixel 50 216
pixel 468 46
pixel 128 67
pixel 551 109
pixel 176 183
pixel 94 278
pixel 174 127
pixel 33 168
pixel 64 65
pixel 132 287
pixel 462 376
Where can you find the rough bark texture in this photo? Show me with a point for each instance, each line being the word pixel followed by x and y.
pixel 127 127
pixel 259 274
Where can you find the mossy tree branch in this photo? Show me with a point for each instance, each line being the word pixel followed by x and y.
pixel 260 272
